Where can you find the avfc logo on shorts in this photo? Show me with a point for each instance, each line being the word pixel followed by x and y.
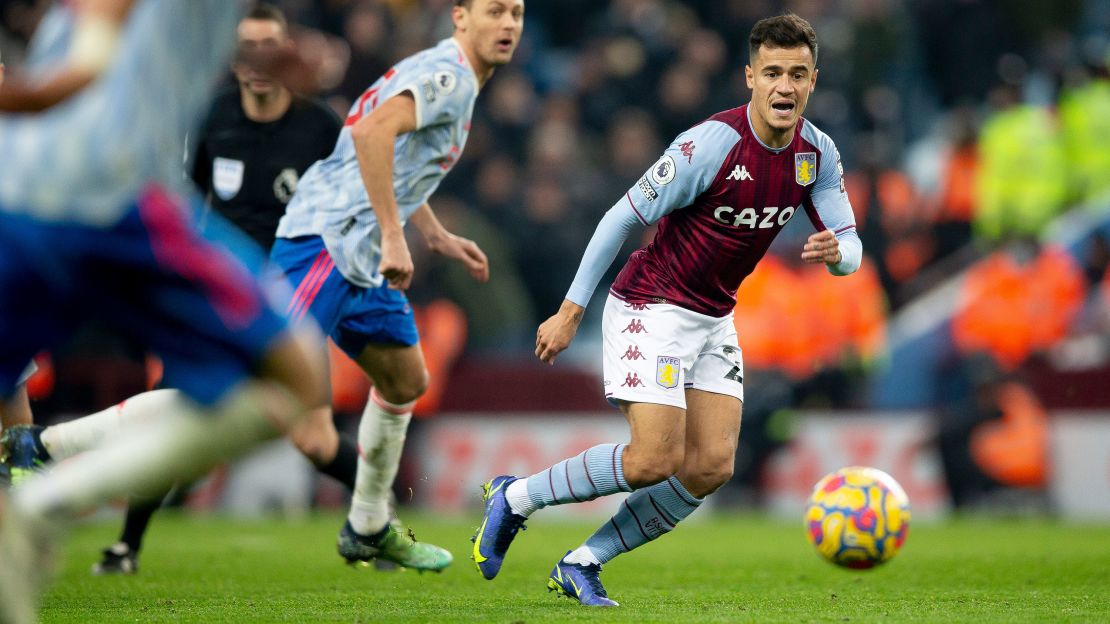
pixel 667 371
pixel 805 168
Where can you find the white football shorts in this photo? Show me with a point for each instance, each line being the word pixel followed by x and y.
pixel 654 352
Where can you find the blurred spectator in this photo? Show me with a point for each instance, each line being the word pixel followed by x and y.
pixel 1018 301
pixel 1022 173
pixel 1085 124
pixel 790 318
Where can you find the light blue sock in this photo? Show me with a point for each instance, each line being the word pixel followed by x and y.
pixel 597 471
pixel 642 517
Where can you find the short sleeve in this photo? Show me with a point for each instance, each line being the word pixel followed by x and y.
pixel 442 93
pixel 684 171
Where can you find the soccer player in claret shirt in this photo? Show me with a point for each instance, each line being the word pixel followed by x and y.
pixel 720 194
pixel 342 246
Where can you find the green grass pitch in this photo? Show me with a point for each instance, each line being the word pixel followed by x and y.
pixel 723 569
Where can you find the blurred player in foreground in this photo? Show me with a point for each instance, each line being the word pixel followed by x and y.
pixel 342 245
pixel 91 219
pixel 721 193
pixel 16 410
pixel 256 142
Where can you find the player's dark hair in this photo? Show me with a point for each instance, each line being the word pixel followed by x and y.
pixel 268 12
pixel 782 31
pixel 464 3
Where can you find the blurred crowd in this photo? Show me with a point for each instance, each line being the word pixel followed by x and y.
pixel 966 128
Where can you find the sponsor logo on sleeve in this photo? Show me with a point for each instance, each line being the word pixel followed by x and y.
pixel 227 177
pixel 445 82
pixel 805 168
pixel 662 172
pixel 667 371
pixel 285 184
pixel 647 189
pixel 840 170
pixel 429 90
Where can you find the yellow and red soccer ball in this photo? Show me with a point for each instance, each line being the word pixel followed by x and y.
pixel 858 517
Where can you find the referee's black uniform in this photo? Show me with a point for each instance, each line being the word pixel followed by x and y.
pixel 249 169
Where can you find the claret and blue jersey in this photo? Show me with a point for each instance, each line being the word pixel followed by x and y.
pixel 720 196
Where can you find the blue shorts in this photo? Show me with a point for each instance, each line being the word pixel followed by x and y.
pixel 353 316
pixel 151 275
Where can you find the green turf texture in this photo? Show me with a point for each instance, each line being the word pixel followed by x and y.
pixel 722 569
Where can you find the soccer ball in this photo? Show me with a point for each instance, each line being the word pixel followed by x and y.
pixel 858 517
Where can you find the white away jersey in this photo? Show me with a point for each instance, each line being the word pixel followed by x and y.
pixel 84 160
pixel 331 198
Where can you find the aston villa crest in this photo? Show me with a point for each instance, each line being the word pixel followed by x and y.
pixel 667 371
pixel 805 168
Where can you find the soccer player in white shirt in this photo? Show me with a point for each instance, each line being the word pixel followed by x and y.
pixel 342 247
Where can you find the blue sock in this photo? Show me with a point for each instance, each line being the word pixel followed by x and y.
pixel 642 517
pixel 597 471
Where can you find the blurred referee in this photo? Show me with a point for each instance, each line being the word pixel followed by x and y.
pixel 252 149
pixel 259 138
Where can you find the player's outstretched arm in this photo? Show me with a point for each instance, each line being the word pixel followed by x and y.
pixel 556 333
pixel 455 247
pixel 95 40
pixel 374 136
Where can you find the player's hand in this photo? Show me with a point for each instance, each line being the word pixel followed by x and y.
pixel 396 265
pixel 465 251
pixel 822 247
pixel 556 333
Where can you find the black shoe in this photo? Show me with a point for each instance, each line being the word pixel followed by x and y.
pixel 117 559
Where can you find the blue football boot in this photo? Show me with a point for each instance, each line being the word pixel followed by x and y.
pixel 499 527
pixel 23 452
pixel 581 582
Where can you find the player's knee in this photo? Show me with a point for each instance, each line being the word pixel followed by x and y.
pixel 709 475
pixel 405 388
pixel 643 467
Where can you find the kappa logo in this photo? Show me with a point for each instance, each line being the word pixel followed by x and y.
pixel 633 353
pixel 688 150
pixel 740 172
pixel 632 380
pixel 635 326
